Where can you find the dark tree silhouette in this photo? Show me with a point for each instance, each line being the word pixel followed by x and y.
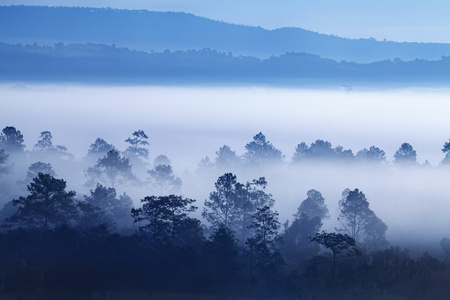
pixel 116 210
pixel 405 155
pixel 359 221
pixel 266 226
pixel 337 243
pixel 47 206
pixel 112 170
pixel 11 140
pixel 259 152
pixel 138 143
pixel 164 216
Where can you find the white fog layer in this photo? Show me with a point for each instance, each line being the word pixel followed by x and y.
pixel 187 124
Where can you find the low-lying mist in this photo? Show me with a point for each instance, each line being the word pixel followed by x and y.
pixel 188 124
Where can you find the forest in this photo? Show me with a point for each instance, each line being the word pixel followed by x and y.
pixel 99 63
pixel 112 225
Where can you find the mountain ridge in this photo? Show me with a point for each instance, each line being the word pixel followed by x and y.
pixel 97 63
pixel 157 31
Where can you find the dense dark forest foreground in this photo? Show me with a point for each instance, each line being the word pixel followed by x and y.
pixel 67 263
pixel 96 242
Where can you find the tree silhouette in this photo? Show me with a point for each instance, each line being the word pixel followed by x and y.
pixel 266 225
pixel 45 146
pixel 337 243
pixel 224 205
pixel 116 210
pixel 112 170
pixel 164 216
pixel 99 148
pixel 47 206
pixel 226 158
pixel 11 140
pixel 405 155
pixel 137 148
pixel 446 150
pixel 162 178
pixel 296 244
pixel 3 159
pixel 313 206
pixel 234 204
pixel 373 154
pixel 39 167
pixel 259 151
pixel 359 221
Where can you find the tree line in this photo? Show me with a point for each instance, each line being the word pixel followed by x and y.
pixel 57 244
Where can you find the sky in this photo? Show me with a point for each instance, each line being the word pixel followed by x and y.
pixel 396 20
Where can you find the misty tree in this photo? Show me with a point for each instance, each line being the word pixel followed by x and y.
pixel 45 146
pixel 224 205
pixel 319 150
pixel 162 178
pixel 111 170
pixel 137 148
pixel 48 204
pixel 296 244
pixel 313 206
pixel 39 167
pixel 161 160
pixel 342 154
pixel 3 160
pixel 405 155
pixel 11 140
pixel 373 154
pixel 359 221
pixel 446 150
pixel 260 151
pixel 205 168
pixel 226 158
pixel 116 209
pixel 234 204
pixel 99 148
pixel 164 216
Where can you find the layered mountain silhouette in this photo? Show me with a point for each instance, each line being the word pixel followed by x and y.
pixel 94 63
pixel 158 31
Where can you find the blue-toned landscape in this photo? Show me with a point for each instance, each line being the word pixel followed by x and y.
pixel 194 150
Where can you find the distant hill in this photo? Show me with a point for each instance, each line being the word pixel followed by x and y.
pixel 94 63
pixel 158 31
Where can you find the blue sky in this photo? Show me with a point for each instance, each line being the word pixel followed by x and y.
pixel 398 20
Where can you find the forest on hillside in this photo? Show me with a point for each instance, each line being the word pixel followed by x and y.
pixel 82 235
pixel 97 63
